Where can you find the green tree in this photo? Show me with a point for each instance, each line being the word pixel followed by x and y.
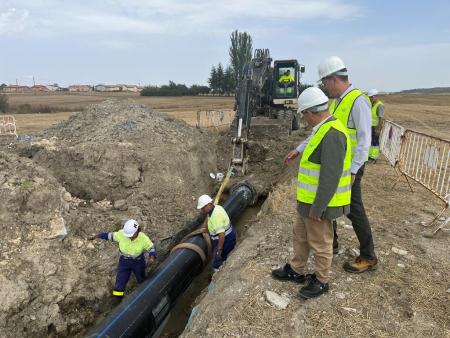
pixel 240 52
pixel 213 83
pixel 4 106
pixel 229 80
pixel 220 78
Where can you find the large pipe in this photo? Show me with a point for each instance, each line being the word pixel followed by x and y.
pixel 144 311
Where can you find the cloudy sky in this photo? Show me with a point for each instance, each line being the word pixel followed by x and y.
pixel 389 45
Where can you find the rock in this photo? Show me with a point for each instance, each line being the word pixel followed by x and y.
pixel 347 226
pixel 67 196
pixel 448 290
pixel 90 246
pixel 350 309
pixel 340 295
pixel 401 265
pixel 120 205
pixel 33 317
pixel 354 252
pixel 280 302
pixel 58 228
pixel 400 252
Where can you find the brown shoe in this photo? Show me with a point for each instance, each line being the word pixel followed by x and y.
pixel 361 264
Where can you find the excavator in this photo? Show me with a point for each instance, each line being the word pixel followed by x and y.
pixel 266 97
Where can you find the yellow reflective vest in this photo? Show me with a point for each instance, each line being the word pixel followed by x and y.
pixel 375 118
pixel 132 248
pixel 219 221
pixel 309 172
pixel 342 113
pixel 286 78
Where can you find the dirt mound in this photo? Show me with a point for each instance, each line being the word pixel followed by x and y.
pixel 86 175
pixel 137 160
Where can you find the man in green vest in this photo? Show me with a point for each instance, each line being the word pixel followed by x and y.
pixel 323 194
pixel 377 124
pixel 353 109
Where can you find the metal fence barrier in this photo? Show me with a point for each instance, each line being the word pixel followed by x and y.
pixel 8 126
pixel 422 158
pixel 391 140
pixel 214 118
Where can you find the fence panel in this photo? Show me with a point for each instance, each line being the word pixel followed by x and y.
pixel 426 160
pixel 8 126
pixel 214 118
pixel 391 141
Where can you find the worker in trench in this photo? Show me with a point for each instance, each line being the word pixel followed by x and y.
pixel 134 246
pixel 323 194
pixel 221 231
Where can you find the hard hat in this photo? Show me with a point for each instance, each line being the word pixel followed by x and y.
pixel 372 92
pixel 130 227
pixel 331 65
pixel 312 97
pixel 203 200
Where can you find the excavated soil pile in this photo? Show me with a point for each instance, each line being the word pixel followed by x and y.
pixel 115 161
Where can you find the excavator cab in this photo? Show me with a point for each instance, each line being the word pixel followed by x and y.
pixel 286 75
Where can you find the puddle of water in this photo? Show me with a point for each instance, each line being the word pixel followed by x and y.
pixel 179 315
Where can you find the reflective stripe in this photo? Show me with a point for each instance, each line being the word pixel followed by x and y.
pixel 353 136
pixel 227 232
pixel 118 293
pixel 316 172
pixel 110 236
pixel 130 257
pixel 313 188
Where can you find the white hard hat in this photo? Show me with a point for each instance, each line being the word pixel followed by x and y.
pixel 130 227
pixel 312 97
pixel 331 65
pixel 372 92
pixel 204 200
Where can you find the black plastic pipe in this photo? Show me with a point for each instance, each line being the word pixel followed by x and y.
pixel 144 311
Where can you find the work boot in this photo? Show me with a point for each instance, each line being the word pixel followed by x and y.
pixel 361 264
pixel 313 289
pixel 287 274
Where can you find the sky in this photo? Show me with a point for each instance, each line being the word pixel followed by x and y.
pixel 388 45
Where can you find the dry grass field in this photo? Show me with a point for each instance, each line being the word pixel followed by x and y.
pixel 182 107
pixel 426 113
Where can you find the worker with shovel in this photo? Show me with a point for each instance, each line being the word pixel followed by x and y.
pixel 133 246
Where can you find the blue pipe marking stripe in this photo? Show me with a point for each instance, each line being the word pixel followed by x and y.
pixel 121 313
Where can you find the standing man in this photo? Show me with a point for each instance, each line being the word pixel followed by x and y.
pixel 133 245
pixel 377 124
pixel 353 109
pixel 323 194
pixel 220 229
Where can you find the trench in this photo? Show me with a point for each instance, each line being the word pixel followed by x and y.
pixel 179 316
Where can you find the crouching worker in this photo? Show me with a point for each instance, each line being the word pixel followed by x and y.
pixel 134 245
pixel 220 229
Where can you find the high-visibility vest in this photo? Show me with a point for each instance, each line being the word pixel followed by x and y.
pixel 218 222
pixel 132 248
pixel 309 172
pixel 286 78
pixel 342 113
pixel 375 118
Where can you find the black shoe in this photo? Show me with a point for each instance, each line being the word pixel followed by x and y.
pixel 286 273
pixel 313 289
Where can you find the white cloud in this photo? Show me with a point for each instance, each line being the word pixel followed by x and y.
pixel 174 17
pixel 13 21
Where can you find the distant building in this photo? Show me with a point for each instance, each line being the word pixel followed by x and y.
pixel 80 88
pixel 39 88
pixel 53 88
pixel 16 89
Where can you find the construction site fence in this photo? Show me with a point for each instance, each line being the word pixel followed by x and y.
pixel 8 126
pixel 421 157
pixel 214 118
